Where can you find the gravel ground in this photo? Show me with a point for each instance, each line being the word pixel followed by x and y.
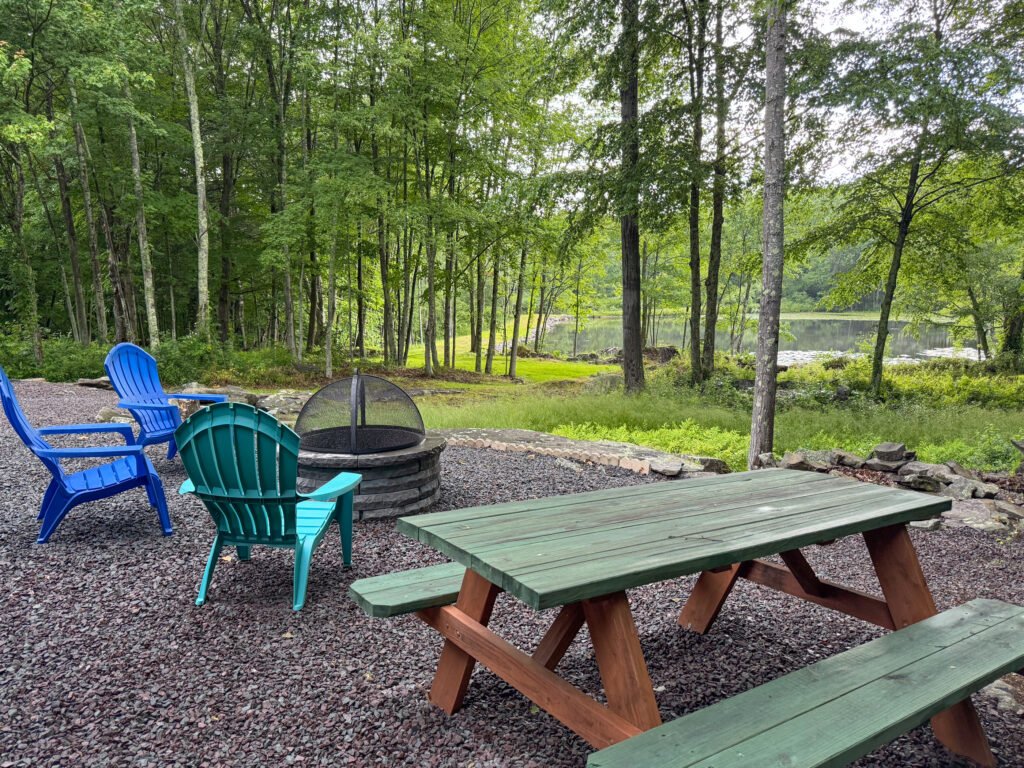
pixel 107 661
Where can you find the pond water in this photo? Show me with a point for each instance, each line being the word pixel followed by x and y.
pixel 803 339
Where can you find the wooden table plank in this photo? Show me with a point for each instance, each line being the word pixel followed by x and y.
pixel 564 550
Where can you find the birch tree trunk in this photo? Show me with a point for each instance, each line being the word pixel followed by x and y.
pixel 762 428
pixel 520 286
pixel 717 200
pixel 202 208
pixel 149 291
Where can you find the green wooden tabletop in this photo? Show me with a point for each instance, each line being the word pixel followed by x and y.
pixel 562 549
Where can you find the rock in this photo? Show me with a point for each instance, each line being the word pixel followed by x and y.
pixel 847 459
pixel 803 460
pixel 842 393
pixel 640 466
pixel 1004 508
pixel 925 483
pixel 234 394
pixel 889 452
pixel 567 464
pixel 979 515
pixel 709 464
pixel 1005 696
pixel 881 465
pixel 940 472
pixel 963 488
pixel 956 469
pixel 766 461
pixel 108 415
pixel 103 382
pixel 283 405
pixel 661 354
pixel 927 525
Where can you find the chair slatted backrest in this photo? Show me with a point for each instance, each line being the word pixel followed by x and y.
pixel 244 464
pixel 22 428
pixel 133 373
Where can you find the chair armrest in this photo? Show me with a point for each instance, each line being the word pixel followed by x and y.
pixel 187 487
pixel 98 451
pixel 203 398
pixel 125 430
pixel 131 404
pixel 337 486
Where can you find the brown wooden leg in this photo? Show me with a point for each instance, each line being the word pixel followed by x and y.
pixel 627 683
pixel 802 572
pixel 476 600
pixel 910 601
pixel 708 597
pixel 559 637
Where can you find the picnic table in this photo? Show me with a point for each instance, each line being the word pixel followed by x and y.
pixel 581 553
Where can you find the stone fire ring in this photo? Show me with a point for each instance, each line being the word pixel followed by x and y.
pixel 395 483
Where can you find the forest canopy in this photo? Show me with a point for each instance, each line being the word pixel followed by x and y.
pixel 377 179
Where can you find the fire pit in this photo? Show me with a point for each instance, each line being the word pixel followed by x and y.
pixel 370 425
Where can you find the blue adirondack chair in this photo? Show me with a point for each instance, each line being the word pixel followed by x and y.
pixel 242 463
pixel 133 373
pixel 66 490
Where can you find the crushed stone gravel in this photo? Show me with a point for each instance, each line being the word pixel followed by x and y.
pixel 106 661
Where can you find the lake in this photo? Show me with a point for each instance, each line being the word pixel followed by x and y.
pixel 803 339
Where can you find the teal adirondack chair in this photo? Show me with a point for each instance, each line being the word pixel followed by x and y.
pixel 242 463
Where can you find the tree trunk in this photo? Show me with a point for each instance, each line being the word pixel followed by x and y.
pixel 145 257
pixel 696 66
pixel 906 215
pixel 717 201
pixel 202 210
pixel 632 341
pixel 492 339
pixel 762 428
pixel 81 323
pixel 520 286
pixel 979 323
pixel 26 299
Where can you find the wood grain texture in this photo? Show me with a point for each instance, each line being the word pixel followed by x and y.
pixel 455 667
pixel 707 598
pixel 627 683
pixel 839 709
pixel 910 601
pixel 395 594
pixel 550 552
pixel 585 716
pixel 559 637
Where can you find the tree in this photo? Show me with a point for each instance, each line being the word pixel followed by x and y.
pixel 762 429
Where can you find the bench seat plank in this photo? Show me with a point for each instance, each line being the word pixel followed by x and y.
pixel 394 594
pixel 844 707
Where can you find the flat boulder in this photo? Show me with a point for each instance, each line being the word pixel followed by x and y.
pixel 963 488
pixel 108 415
pixel 847 459
pixel 806 461
pixel 890 452
pixel 103 382
pixel 921 482
pixel 884 465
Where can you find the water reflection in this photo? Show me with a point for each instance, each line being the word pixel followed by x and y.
pixel 811 336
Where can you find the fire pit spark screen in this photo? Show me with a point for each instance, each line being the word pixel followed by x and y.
pixel 357 415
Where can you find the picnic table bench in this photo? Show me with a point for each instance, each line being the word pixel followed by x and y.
pixel 581 553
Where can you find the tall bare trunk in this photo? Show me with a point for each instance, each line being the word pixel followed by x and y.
pixel 717 200
pixel 81 150
pixel 629 66
pixel 492 330
pixel 145 257
pixel 762 428
pixel 696 57
pixel 520 286
pixel 202 209
pixel 81 323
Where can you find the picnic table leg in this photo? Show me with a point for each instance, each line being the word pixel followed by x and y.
pixel 476 600
pixel 620 659
pixel 559 637
pixel 906 592
pixel 708 596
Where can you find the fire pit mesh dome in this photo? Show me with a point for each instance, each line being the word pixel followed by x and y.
pixel 359 414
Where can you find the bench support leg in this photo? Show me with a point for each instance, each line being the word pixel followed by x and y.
pixel 906 592
pixel 476 601
pixel 708 596
pixel 627 683
pixel 559 637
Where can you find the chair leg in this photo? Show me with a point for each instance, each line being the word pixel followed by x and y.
pixel 345 525
pixel 303 556
pixel 210 565
pixel 51 491
pixel 60 504
pixel 172 449
pixel 243 552
pixel 155 489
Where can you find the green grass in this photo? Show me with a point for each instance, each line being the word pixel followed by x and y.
pixel 975 436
